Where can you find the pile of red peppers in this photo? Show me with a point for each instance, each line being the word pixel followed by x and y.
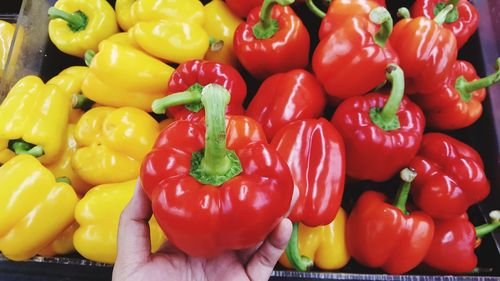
pixel 221 176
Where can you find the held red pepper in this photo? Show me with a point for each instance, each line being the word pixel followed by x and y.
pixel 187 82
pixel 454 242
pixel 286 97
pixel 381 133
pixel 380 234
pixel 451 177
pixel 463 20
pixel 351 60
pixel 457 103
pixel 208 197
pixel 426 50
pixel 242 8
pixel 272 40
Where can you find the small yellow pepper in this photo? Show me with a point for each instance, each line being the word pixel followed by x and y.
pixel 6 35
pixel 98 214
pixel 124 13
pixel 62 245
pixel 123 76
pixel 112 144
pixel 324 245
pixel 124 38
pixel 34 207
pixel 80 25
pixel 33 120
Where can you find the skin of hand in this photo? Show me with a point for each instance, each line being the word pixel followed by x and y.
pixel 136 262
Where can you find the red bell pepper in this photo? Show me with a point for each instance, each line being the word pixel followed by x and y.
pixel 272 40
pixel 451 177
pixel 454 242
pixel 457 103
pixel 380 234
pixel 463 20
pixel 351 60
pixel 314 151
pixel 208 197
pixel 286 97
pixel 242 8
pixel 187 82
pixel 381 133
pixel 426 50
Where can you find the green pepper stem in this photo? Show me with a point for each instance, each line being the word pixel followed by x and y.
pixel 64 180
pixel 403 12
pixel 441 16
pixel 381 16
pixel 77 21
pixel 80 101
pixel 22 147
pixel 267 26
pixel 89 56
pixel 407 175
pixel 314 9
pixel 192 96
pixel 299 262
pixel 452 2
pixel 466 88
pixel 215 44
pixel 487 228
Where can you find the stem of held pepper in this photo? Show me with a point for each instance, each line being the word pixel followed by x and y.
pixel 80 101
pixel 215 165
pixel 267 26
pixel 440 18
pixel 466 88
pixel 407 175
pixel 387 118
pixel 88 56
pixel 381 16
pixel 300 263
pixel 313 8
pixel 64 180
pixel 487 228
pixel 77 21
pixel 191 98
pixel 19 147
pixel 404 13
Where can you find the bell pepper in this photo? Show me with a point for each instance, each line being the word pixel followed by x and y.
pixel 381 133
pixel 34 207
pixel 324 245
pixel 112 143
pixel 124 38
pixel 286 97
pixel 380 234
pixel 220 24
pixel 272 40
pixel 462 20
pixel 454 242
pixel 457 103
pixel 451 177
pixel 426 50
pixel 122 76
pixel 98 214
pixel 314 151
pixel 186 85
pixel 210 195
pixel 62 245
pixel 351 60
pixel 130 12
pixel 243 7
pixel 6 34
pixel 33 120
pixel 80 25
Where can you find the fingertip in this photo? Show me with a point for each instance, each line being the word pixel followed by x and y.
pixel 281 234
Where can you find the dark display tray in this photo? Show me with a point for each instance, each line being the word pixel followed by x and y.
pixel 38 56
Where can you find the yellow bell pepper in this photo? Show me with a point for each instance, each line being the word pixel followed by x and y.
pixel 112 144
pixel 63 243
pixel 124 38
pixel 34 208
pixel 220 24
pixel 324 245
pixel 98 214
pixel 122 76
pixel 33 120
pixel 6 35
pixel 130 12
pixel 80 25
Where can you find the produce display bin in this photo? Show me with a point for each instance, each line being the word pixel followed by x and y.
pixel 33 53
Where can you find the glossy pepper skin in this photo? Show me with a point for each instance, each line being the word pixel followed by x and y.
pixel 112 143
pixel 186 85
pixel 98 214
pixel 351 60
pixel 380 234
pixel 121 76
pixel 272 40
pixel 286 97
pixel 249 183
pixel 34 208
pixel 80 25
pixel 62 245
pixel 381 133
pixel 463 20
pixel 325 245
pixel 426 51
pixel 457 103
pixel 6 34
pixel 451 177
pixel 33 120
pixel 243 7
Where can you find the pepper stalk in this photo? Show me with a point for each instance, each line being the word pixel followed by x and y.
pixel 77 21
pixel 191 98
pixel 267 26
pixel 20 146
pixel 466 88
pixel 299 262
pixel 381 16
pixel 453 15
pixel 488 228
pixel 407 175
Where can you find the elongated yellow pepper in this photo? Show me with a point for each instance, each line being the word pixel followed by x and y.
pixel 34 208
pixel 63 243
pixel 6 35
pixel 98 214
